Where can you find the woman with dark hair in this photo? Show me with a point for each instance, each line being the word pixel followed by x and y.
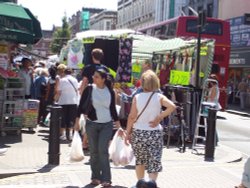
pixel 51 86
pixel 100 112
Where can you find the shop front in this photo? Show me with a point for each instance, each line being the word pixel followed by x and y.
pixel 239 69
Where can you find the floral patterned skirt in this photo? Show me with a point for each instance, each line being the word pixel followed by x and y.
pixel 147 146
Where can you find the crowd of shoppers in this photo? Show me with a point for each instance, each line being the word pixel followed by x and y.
pixel 95 98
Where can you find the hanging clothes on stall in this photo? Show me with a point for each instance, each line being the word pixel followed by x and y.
pixel 125 57
pixel 75 54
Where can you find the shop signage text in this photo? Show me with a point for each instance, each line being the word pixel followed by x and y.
pixel 240 33
pixel 240 59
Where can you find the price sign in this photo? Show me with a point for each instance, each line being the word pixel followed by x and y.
pixel 179 77
pixel 89 40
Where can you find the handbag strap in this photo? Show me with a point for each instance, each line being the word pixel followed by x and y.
pixel 73 86
pixel 144 107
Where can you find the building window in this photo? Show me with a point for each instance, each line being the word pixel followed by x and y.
pixel 200 8
pixel 108 25
pixel 210 10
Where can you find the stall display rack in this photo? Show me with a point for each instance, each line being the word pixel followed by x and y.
pixel 12 96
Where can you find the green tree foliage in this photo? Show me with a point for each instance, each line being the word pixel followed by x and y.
pixel 60 37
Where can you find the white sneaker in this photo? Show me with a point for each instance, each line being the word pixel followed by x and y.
pixel 63 137
pixel 3 150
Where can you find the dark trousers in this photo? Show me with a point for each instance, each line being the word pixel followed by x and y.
pixel 69 113
pixel 99 135
pixel 42 110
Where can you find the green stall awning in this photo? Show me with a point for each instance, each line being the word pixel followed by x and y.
pixel 18 24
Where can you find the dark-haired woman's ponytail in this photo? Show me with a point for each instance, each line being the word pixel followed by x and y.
pixel 109 81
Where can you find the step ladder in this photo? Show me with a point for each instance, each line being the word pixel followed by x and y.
pixel 202 115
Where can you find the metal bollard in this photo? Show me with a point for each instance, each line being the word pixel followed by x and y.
pixel 54 134
pixel 211 135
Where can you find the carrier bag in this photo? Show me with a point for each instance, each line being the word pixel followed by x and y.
pixel 76 153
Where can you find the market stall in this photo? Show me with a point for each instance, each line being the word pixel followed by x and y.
pixel 179 57
pixel 18 26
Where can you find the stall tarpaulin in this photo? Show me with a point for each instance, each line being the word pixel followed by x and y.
pixel 18 24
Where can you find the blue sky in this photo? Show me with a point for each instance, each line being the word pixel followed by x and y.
pixel 50 12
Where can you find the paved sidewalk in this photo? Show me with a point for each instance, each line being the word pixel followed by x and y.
pixel 25 165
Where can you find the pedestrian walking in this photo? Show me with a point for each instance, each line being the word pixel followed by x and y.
pixel 51 84
pixel 40 86
pixel 98 104
pixel 60 74
pixel 68 99
pixel 144 131
pixel 242 88
pixel 26 74
pixel 87 78
pixel 214 91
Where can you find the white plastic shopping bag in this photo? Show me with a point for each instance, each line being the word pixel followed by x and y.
pixel 76 152
pixel 119 152
pixel 126 155
pixel 82 124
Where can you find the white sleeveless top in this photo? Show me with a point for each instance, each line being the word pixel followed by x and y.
pixel 151 112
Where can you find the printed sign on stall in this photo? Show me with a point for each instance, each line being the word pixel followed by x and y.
pixel 179 77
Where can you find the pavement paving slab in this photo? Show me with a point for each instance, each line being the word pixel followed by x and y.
pixel 25 165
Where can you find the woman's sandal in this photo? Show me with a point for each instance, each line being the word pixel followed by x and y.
pixel 95 182
pixel 106 184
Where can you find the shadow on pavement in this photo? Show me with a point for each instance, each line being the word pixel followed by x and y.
pixel 28 132
pixel 10 139
pixel 46 168
pixel 2 176
pixel 222 118
pixel 91 186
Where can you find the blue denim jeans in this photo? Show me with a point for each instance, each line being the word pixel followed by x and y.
pixel 99 135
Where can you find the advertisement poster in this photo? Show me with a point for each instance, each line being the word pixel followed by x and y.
pixel 30 113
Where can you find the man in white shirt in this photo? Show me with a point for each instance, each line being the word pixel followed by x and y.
pixel 26 74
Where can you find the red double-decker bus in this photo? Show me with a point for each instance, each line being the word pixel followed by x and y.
pixel 186 27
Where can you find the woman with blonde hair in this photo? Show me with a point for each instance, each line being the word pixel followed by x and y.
pixel 143 128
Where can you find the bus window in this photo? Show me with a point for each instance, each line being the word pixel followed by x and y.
pixel 171 30
pixel 211 28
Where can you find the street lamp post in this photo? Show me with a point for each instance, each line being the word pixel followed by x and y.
pixel 201 23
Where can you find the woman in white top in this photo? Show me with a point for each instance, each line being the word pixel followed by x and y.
pixel 214 91
pixel 143 128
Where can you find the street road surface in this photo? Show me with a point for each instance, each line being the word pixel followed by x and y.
pixel 234 131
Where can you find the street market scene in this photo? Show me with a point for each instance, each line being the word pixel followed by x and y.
pixel 125 93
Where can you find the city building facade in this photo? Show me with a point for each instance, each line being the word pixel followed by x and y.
pixel 240 37
pixel 210 6
pixel 81 20
pixel 42 47
pixel 105 20
pixel 135 14
pixel 166 9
